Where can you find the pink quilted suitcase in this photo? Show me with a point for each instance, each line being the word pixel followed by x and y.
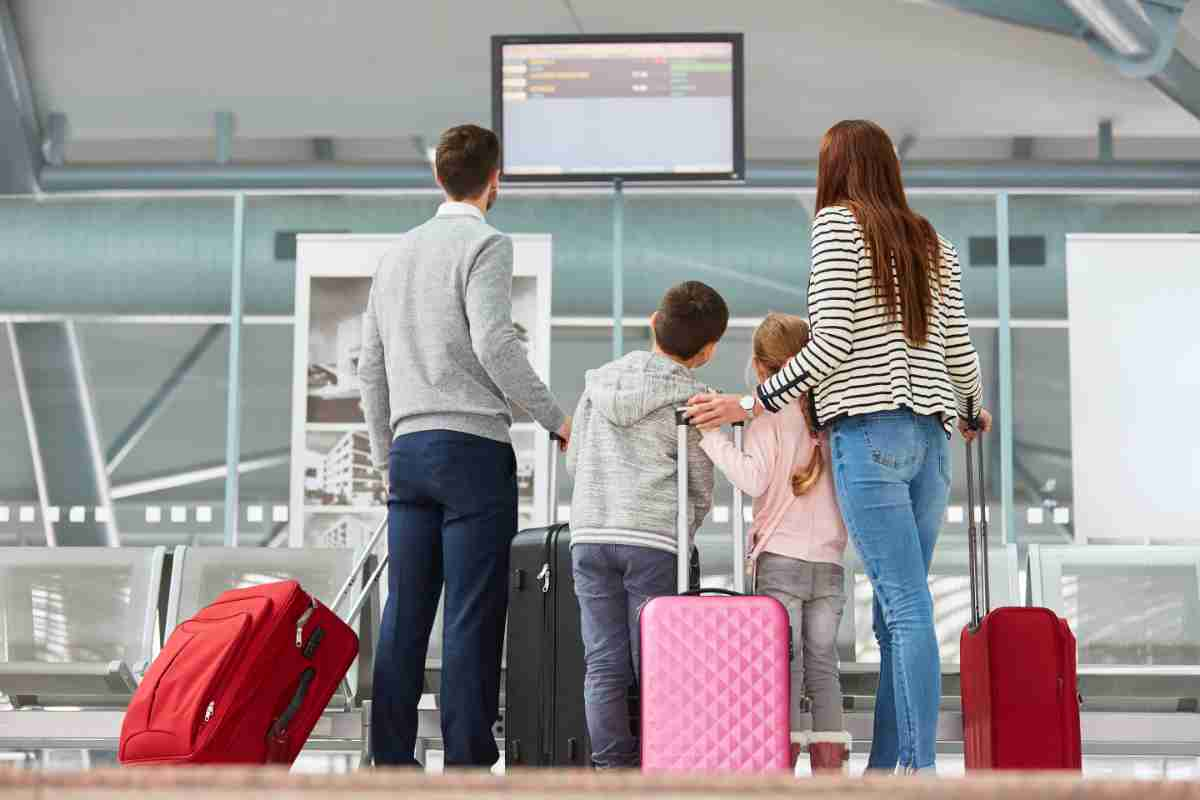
pixel 715 668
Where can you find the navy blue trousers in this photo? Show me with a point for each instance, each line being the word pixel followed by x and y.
pixel 452 515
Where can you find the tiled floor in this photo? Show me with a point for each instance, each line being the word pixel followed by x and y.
pixel 1138 767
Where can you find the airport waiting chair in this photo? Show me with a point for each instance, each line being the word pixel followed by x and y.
pixel 1129 605
pixel 200 574
pixel 77 624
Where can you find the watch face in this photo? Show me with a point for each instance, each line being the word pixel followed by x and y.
pixel 747 403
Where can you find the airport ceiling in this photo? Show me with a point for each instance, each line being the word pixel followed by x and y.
pixel 365 70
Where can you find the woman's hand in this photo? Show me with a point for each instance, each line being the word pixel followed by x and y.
pixel 985 425
pixel 707 411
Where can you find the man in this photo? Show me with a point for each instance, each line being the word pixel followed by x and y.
pixel 440 361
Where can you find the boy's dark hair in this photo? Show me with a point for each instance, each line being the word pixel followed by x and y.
pixel 466 156
pixel 690 316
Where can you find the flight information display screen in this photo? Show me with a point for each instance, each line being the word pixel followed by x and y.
pixel 597 108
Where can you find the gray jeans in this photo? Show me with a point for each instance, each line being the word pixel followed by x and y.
pixel 814 596
pixel 613 582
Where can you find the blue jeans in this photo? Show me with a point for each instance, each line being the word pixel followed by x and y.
pixel 452 515
pixel 613 582
pixel 892 473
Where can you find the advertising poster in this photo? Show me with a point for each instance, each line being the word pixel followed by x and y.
pixel 335 491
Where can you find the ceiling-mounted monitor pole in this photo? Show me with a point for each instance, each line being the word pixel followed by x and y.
pixel 618 268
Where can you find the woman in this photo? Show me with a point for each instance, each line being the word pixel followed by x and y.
pixel 889 368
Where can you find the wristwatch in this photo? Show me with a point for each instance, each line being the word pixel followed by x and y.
pixel 747 403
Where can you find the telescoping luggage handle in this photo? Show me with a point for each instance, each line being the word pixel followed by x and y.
pixel 977 532
pixel 682 523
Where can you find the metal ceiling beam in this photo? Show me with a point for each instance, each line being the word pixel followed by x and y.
pixel 1180 81
pixel 1006 174
pixel 20 139
pixel 1046 15
pixel 198 474
pixel 764 174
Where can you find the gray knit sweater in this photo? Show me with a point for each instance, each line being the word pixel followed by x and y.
pixel 623 455
pixel 439 349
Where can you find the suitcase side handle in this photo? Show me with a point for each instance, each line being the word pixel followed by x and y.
pixel 977 533
pixel 277 736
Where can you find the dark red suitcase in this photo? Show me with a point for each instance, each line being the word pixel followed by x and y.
pixel 1020 696
pixel 242 682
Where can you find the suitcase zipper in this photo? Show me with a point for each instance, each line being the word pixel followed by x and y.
pixel 304 618
pixel 544 577
pixel 208 712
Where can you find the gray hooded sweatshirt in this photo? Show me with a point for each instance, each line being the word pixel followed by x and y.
pixel 623 455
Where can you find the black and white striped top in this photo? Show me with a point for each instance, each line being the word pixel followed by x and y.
pixel 857 360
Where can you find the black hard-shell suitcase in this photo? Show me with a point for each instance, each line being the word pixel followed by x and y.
pixel 544 720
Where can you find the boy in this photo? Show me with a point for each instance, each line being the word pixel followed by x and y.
pixel 623 511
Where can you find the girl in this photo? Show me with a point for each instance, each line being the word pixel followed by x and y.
pixel 798 539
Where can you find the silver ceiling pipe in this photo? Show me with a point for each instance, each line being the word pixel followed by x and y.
pixel 334 176
pixel 1123 25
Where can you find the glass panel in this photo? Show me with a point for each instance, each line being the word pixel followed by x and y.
pixel 1042 436
pixel 1042 402
pixel 573 351
pixel 166 257
pixel 580 224
pixel 961 219
pixel 169 486
pixel 753 248
pixel 273 222
pixel 266 432
pixel 581 227
pixel 1039 290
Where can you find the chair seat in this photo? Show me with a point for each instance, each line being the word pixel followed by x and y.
pixel 42 683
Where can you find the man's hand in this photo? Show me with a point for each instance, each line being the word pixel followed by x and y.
pixel 564 435
pixel 985 425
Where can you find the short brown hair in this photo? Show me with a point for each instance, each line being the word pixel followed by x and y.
pixel 466 157
pixel 690 316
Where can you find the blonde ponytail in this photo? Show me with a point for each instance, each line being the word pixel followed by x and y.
pixel 777 339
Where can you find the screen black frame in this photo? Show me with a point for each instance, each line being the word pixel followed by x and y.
pixel 738 175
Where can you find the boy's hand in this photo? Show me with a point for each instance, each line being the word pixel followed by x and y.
pixel 564 435
pixel 714 410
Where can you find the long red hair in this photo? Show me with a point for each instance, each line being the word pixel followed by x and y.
pixel 859 169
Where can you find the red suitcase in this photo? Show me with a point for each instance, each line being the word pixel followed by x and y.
pixel 1020 700
pixel 244 681
pixel 715 677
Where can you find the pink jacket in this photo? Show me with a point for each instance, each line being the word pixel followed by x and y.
pixel 808 527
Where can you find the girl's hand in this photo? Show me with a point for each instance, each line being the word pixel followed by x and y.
pixel 714 410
